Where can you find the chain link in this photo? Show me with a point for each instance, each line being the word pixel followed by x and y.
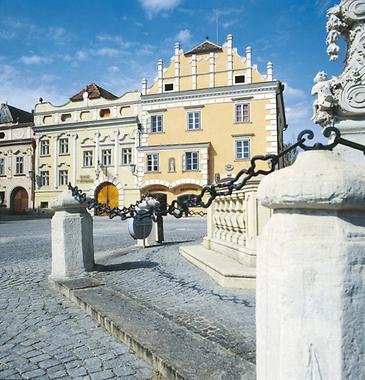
pixel 210 192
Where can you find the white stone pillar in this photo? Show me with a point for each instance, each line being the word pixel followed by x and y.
pixel 177 67
pixel 74 158
pixel 36 169
pixel 55 162
pixel 160 75
pixel 248 78
pixel 229 60
pixel 269 68
pixel 116 153
pixel 10 167
pixel 97 148
pixel 212 69
pixel 194 71
pixel 144 86
pixel 72 238
pixel 310 315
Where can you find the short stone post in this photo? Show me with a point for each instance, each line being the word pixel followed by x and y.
pixel 311 271
pixel 72 238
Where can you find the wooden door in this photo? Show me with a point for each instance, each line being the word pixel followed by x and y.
pixel 20 202
pixel 108 194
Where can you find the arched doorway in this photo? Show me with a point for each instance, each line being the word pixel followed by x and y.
pixel 108 194
pixel 19 200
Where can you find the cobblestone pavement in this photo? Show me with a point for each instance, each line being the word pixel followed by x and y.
pixel 43 336
pixel 170 285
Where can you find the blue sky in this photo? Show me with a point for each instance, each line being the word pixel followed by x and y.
pixel 53 48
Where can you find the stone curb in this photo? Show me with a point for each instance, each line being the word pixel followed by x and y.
pixel 173 351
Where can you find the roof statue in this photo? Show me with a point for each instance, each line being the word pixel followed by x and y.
pixel 343 97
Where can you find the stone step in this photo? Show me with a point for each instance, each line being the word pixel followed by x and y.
pixel 226 271
pixel 172 350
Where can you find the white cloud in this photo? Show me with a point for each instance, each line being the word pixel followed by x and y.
pixel 35 59
pixel 183 36
pixel 49 77
pixel 108 52
pixel 154 7
pixel 81 55
pixel 293 92
pixel 113 69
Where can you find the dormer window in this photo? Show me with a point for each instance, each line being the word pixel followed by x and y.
pixel 169 87
pixel 105 113
pixel 239 79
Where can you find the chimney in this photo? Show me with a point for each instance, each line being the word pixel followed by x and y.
pixel 249 64
pixel 230 59
pixel 160 75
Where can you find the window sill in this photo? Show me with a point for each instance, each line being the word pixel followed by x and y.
pixel 191 171
pixel 44 155
pixel 64 154
pixel 242 159
pixel 152 172
pixel 194 130
pixel 242 122
pixel 87 167
pixel 156 133
pixel 19 175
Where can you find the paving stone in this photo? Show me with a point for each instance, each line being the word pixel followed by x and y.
pixel 77 371
pixel 56 375
pixel 124 371
pixel 48 363
pixel 33 374
pixel 102 375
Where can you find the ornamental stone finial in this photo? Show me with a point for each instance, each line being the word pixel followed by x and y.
pixel 341 99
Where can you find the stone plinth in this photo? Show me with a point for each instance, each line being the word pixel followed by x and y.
pixel 72 238
pixel 310 271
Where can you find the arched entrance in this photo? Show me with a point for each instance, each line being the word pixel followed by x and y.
pixel 108 194
pixel 19 200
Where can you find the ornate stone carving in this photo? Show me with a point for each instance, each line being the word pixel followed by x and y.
pixel 343 96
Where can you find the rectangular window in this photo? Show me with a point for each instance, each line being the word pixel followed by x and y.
pixel 242 112
pixel 239 79
pixel 63 177
pixel 106 157
pixel 63 146
pixel 191 161
pixel 169 87
pixel 44 147
pixel 126 156
pixel 19 165
pixel 194 120
pixel 2 166
pixel 88 158
pixel 242 149
pixel 156 123
pixel 152 162
pixel 45 178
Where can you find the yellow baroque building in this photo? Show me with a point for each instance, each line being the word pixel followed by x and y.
pixel 204 117
pixel 90 141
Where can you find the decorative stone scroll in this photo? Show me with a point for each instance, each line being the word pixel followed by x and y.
pixel 343 97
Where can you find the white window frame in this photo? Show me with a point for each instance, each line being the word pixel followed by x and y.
pixel 44 147
pixel 2 166
pixel 127 157
pixel 44 174
pixel 158 126
pixel 240 119
pixel 88 159
pixel 242 149
pixel 192 162
pixel 195 126
pixel 106 158
pixel 19 165
pixel 63 145
pixel 153 162
pixel 63 177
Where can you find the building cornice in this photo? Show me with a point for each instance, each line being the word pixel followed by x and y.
pixel 86 108
pixel 15 126
pixel 16 142
pixel 86 124
pixel 225 91
pixel 173 146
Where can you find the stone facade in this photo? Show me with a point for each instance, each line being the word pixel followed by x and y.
pixel 16 159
